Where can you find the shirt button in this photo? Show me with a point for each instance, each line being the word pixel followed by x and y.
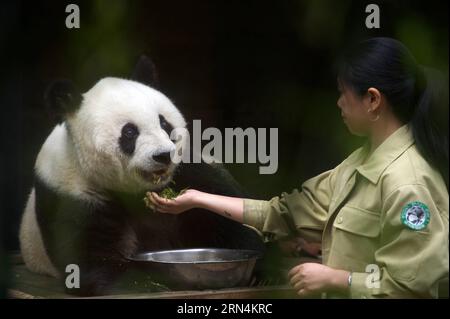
pixel 340 220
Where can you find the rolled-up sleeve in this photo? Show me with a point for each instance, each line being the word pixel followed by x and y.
pixel 297 213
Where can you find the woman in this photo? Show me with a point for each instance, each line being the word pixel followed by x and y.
pixel 382 214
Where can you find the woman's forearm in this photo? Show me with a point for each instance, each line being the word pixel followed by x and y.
pixel 230 207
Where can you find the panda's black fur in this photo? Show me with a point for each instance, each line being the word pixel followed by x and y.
pixel 98 236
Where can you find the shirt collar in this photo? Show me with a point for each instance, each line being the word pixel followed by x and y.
pixel 388 151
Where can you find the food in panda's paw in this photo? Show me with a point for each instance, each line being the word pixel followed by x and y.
pixel 168 193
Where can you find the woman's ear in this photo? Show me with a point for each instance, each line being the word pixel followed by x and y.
pixel 373 100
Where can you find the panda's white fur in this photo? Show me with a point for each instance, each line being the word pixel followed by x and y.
pixel 31 244
pixel 96 128
pixel 82 155
pixel 57 165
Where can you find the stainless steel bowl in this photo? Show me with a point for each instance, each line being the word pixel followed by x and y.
pixel 202 268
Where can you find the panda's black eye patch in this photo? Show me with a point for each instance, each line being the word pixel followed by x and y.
pixel 130 131
pixel 166 126
pixel 127 140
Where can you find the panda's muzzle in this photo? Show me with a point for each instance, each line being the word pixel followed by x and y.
pixel 161 168
pixel 162 158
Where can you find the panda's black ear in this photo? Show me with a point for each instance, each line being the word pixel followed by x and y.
pixel 145 72
pixel 61 99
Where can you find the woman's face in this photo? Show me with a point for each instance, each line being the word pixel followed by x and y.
pixel 353 110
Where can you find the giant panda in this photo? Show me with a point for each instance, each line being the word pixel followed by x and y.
pixel 86 206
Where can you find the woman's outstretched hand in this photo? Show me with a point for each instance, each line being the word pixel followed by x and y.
pixel 229 207
pixel 177 205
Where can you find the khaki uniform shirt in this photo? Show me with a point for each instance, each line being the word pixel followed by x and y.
pixel 384 217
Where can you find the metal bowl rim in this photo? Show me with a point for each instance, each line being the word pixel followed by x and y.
pixel 256 255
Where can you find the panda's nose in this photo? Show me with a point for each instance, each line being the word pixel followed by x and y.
pixel 163 157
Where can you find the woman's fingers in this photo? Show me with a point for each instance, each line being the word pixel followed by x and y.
pixel 302 292
pixel 299 285
pixel 294 270
pixel 159 200
pixel 171 206
pixel 297 282
pixel 155 203
pixel 163 205
pixel 295 279
pixel 152 200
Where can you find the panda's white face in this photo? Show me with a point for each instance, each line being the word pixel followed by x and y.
pixel 121 134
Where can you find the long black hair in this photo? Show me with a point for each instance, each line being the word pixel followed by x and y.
pixel 417 95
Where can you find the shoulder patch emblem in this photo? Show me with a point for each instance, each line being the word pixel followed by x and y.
pixel 415 215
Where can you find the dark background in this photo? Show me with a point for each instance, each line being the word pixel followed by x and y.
pixel 228 63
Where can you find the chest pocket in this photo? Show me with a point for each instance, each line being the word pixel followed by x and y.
pixel 355 234
pixel 358 221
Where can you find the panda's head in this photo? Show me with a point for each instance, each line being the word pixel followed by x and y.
pixel 120 130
